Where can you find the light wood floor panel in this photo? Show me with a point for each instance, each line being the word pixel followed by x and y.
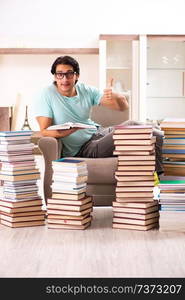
pixel 98 251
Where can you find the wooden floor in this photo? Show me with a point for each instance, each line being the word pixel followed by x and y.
pixel 98 251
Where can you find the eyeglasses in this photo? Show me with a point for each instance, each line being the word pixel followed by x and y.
pixel 69 75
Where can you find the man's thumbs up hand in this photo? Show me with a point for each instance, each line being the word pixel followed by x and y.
pixel 107 93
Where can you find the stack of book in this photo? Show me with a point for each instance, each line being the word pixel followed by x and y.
pixel 135 207
pixel 69 207
pixel 20 203
pixel 174 146
pixel 172 204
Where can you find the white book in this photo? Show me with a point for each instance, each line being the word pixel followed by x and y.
pixel 15 133
pixel 21 147
pixel 68 125
pixel 70 179
pixel 14 142
pixel 12 158
pixel 20 182
pixel 67 185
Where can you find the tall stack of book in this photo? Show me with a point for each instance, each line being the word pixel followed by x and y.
pixel 174 146
pixel 69 207
pixel 20 203
pixel 172 204
pixel 135 207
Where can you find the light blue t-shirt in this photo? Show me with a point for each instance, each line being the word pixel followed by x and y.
pixel 61 109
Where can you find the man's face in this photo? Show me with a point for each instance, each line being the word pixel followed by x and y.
pixel 65 78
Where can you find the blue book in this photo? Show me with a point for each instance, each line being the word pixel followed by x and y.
pixel 69 161
pixel 173 150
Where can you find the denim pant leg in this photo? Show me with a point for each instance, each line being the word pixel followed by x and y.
pixel 100 145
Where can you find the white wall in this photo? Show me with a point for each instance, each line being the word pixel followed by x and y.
pixel 78 23
pixel 66 24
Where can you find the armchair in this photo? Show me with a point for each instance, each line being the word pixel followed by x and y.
pixel 101 181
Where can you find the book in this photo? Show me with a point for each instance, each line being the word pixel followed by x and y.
pixel 68 226
pixel 19 172
pixel 69 221
pixel 171 182
pixel 19 189
pixel 70 202
pixel 19 164
pixel 172 207
pixel 69 162
pixel 132 136
pixel 66 196
pixel 69 125
pixel 70 172
pixel 136 148
pixel 19 183
pixel 70 212
pixel 69 207
pixel 133 129
pixel 135 183
pixel 38 212
pixel 19 195
pixel 14 219
pixel 174 156
pixel 136 211
pixel 13 158
pixel 134 194
pixel 135 221
pixel 22 224
pixel 174 141
pixel 68 191
pixel 6 147
pixel 134 173
pixel 170 146
pixel 70 179
pixel 135 168
pixel 168 151
pixel 134 153
pixel 16 138
pixel 134 157
pixel 68 185
pixel 136 205
pixel 121 199
pixel 23 203
pixel 16 133
pixel 177 131
pixel 136 143
pixel 138 216
pixel 20 177
pixel 21 142
pixel 135 227
pixel 136 162
pixel 19 209
pixel 174 136
pixel 134 189
pixel 121 177
pixel 69 217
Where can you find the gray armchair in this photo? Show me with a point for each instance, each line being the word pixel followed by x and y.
pixel 101 181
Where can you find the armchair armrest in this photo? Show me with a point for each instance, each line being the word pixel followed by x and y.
pixel 51 149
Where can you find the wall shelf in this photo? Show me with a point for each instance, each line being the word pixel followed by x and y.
pixel 49 51
pixel 118 68
pixel 119 37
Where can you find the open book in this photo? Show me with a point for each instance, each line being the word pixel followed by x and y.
pixel 68 125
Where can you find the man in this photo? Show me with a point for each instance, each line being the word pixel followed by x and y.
pixel 67 100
